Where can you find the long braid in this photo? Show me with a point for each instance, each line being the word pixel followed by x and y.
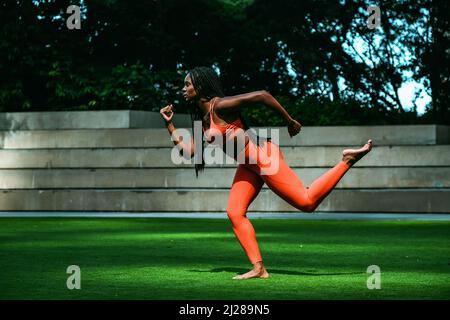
pixel 207 84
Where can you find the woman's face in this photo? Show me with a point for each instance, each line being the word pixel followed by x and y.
pixel 188 91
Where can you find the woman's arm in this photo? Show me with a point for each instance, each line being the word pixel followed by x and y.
pixel 167 114
pixel 246 99
pixel 183 147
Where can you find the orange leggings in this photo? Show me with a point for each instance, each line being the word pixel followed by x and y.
pixel 249 179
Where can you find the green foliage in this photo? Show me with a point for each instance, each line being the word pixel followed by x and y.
pixel 121 87
pixel 134 55
pixel 135 87
pixel 313 111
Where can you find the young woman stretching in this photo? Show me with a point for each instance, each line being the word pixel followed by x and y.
pixel 221 115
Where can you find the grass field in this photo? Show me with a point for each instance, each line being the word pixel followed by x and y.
pixel 197 258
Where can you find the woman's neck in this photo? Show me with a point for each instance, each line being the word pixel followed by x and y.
pixel 204 105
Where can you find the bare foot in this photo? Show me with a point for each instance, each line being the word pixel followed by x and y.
pixel 258 272
pixel 253 274
pixel 351 156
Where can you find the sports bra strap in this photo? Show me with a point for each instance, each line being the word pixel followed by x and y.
pixel 212 105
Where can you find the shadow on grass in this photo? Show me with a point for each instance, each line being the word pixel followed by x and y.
pixel 278 271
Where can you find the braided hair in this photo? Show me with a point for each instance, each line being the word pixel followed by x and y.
pixel 207 85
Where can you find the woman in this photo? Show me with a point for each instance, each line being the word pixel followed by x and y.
pixel 221 115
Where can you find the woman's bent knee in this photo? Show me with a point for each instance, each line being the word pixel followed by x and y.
pixel 235 214
pixel 309 208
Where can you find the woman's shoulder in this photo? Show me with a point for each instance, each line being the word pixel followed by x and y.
pixel 226 113
pixel 237 101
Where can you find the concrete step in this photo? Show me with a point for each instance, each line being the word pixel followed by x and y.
pixel 86 120
pixel 357 177
pixel 215 200
pixel 309 136
pixel 380 156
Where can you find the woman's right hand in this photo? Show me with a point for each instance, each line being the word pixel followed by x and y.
pixel 167 113
pixel 294 127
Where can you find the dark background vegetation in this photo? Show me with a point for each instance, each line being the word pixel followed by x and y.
pixel 135 54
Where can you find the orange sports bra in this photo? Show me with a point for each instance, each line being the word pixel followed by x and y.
pixel 229 131
pixel 223 128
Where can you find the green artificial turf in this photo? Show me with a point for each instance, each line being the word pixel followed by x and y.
pixel 197 258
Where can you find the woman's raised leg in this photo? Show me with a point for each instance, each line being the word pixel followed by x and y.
pixel 285 183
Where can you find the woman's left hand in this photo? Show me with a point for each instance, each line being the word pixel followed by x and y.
pixel 294 127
